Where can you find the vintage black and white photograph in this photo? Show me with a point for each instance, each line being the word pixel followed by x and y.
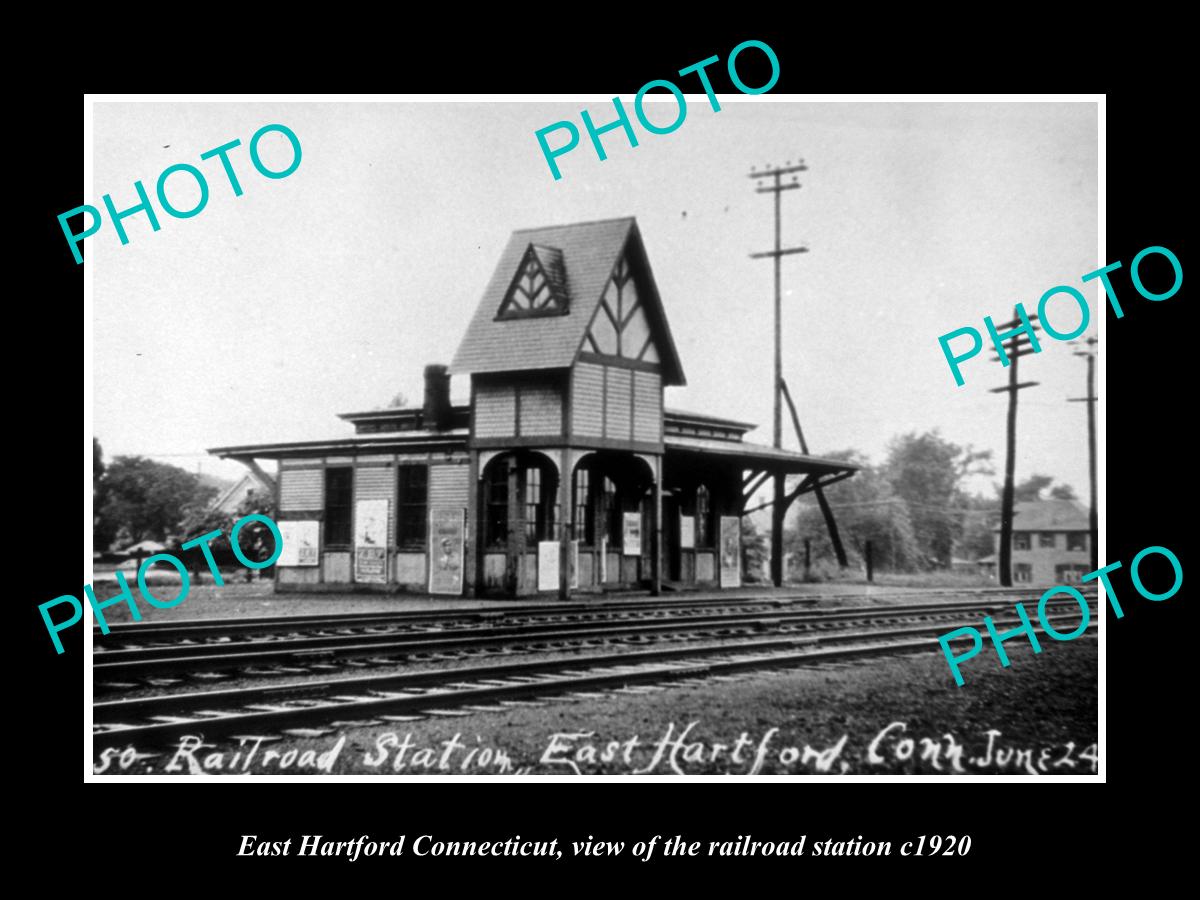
pixel 476 438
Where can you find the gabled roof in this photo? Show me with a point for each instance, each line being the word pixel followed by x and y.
pixel 1049 515
pixel 581 258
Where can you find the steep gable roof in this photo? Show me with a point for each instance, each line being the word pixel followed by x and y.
pixel 579 258
pixel 1049 515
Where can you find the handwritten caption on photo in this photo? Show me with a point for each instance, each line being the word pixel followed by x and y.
pixel 677 751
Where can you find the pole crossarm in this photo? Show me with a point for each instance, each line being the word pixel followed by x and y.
pixel 780 170
pixel 766 254
pixel 1014 387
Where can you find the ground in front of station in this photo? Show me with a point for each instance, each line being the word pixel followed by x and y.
pixel 898 715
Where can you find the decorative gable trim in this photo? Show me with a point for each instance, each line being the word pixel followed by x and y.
pixel 539 287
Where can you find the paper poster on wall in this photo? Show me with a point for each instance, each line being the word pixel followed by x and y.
pixel 300 543
pixel 603 560
pixel 573 568
pixel 446 535
pixel 370 565
pixel 370 523
pixel 687 532
pixel 370 541
pixel 547 568
pixel 731 551
pixel 632 534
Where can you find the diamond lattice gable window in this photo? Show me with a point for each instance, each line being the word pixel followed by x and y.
pixel 539 288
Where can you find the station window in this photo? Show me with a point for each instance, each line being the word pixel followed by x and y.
pixel 1076 540
pixel 413 503
pixel 1023 572
pixel 703 515
pixel 1020 540
pixel 612 514
pixel 1046 539
pixel 339 493
pixel 585 522
pixel 534 510
pixel 539 491
pixel 496 501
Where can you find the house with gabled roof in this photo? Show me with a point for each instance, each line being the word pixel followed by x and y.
pixel 564 473
pixel 1051 543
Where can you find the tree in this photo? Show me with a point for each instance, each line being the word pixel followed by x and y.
pixel 1031 488
pixel 254 538
pixel 867 509
pixel 97 465
pixel 147 500
pixel 755 553
pixel 103 532
pixel 1035 485
pixel 926 471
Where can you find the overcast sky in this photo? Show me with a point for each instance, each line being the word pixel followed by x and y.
pixel 265 315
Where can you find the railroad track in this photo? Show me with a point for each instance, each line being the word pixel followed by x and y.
pixel 136 635
pixel 293 709
pixel 295 653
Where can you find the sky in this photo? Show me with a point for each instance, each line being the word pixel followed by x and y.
pixel 264 316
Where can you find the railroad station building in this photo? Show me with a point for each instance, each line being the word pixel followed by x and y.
pixel 564 473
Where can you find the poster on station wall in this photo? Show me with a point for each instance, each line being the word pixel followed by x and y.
pixel 301 546
pixel 632 542
pixel 573 566
pixel 547 565
pixel 687 532
pixel 370 541
pixel 731 551
pixel 447 531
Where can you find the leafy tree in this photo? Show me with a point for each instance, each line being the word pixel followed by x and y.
pixel 1031 488
pixel 1034 486
pixel 1063 492
pixel 103 531
pixel 866 509
pixel 97 464
pixel 755 552
pixel 926 471
pixel 147 500
pixel 254 538
pixel 979 516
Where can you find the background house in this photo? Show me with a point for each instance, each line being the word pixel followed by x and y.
pixel 1050 543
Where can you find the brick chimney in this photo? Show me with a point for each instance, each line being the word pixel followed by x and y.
pixel 435 415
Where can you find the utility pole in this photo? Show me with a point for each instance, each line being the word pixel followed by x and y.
pixel 1090 400
pixel 777 187
pixel 1017 347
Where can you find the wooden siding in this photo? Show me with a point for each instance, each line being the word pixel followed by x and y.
pixel 587 405
pixel 449 486
pixel 541 409
pixel 618 404
pixel 495 410
pixel 301 489
pixel 647 406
